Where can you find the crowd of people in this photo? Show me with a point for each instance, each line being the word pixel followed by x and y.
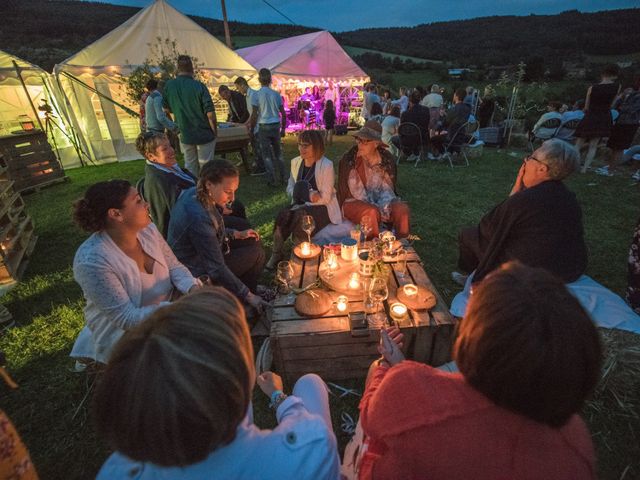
pixel 170 277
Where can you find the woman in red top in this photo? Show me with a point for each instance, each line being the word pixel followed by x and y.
pixel 528 355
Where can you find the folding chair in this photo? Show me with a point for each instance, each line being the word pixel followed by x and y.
pixel 458 141
pixel 410 140
pixel 552 123
pixel 567 129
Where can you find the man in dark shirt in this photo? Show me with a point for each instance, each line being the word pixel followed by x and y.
pixel 420 116
pixel 238 112
pixel 540 224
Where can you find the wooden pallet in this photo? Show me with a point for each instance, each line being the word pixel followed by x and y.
pixel 29 160
pixel 326 345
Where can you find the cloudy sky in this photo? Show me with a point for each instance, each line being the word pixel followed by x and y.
pixel 341 15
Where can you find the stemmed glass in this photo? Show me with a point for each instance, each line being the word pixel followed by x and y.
pixel 284 276
pixel 366 225
pixel 330 260
pixel 378 292
pixel 308 225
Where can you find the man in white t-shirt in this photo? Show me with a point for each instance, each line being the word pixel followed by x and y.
pixel 333 93
pixel 268 113
pixel 403 101
pixel 433 101
pixel 243 87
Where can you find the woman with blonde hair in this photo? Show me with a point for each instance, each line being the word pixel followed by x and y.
pixel 175 402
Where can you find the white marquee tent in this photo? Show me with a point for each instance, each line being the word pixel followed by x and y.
pixel 305 59
pixel 23 88
pixel 92 79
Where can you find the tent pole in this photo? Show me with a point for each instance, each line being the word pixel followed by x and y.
pixel 227 35
pixel 101 95
pixel 26 91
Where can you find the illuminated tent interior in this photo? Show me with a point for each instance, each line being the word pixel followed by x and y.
pixel 92 79
pixel 19 103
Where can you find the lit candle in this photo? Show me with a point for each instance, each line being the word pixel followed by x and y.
pixel 410 290
pixel 332 262
pixel 398 310
pixel 342 303
pixel 354 282
pixel 305 248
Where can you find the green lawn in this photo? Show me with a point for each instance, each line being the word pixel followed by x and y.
pixel 48 304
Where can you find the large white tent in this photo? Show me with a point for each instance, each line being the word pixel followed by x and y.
pixel 23 88
pixel 306 59
pixel 92 79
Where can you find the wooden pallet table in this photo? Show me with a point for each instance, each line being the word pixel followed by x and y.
pixel 326 346
pixel 232 138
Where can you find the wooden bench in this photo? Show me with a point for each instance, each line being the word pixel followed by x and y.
pixel 326 346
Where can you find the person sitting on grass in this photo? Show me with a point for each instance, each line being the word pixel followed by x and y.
pixel 539 224
pixel 312 192
pixel 367 178
pixel 201 240
pixel 175 403
pixel 529 356
pixel 125 268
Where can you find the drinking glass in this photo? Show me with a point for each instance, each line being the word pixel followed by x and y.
pixel 308 225
pixel 284 276
pixel 401 263
pixel 378 291
pixel 366 225
pixel 330 259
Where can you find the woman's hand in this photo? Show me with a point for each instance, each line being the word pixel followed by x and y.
pixel 269 382
pixel 256 302
pixel 391 341
pixel 244 234
pixel 518 186
pixel 315 196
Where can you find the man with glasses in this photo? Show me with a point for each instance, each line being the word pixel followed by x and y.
pixel 539 224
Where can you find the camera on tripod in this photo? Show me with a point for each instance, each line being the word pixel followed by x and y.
pixel 46 108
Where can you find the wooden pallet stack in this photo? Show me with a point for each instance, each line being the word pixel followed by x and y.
pixel 17 238
pixel 30 160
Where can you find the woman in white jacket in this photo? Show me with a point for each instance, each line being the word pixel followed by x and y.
pixel 125 268
pixel 312 190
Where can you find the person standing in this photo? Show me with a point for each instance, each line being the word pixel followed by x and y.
pixel 243 87
pixel 370 97
pixel 190 102
pixel 156 119
pixel 268 113
pixel 238 112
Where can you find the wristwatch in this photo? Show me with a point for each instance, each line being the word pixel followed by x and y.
pixel 277 397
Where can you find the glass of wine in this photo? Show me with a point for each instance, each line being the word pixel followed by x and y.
pixel 366 225
pixel 284 277
pixel 330 260
pixel 378 291
pixel 308 225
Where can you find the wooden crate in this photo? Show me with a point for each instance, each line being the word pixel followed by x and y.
pixel 326 346
pixel 30 161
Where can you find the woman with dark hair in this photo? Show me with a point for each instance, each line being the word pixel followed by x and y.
pixel 597 121
pixel 200 239
pixel 125 268
pixel 175 403
pixel 529 356
pixel 312 192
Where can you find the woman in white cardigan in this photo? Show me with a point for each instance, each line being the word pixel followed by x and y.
pixel 125 268
pixel 312 190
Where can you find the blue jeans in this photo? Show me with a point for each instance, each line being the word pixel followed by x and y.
pixel 269 138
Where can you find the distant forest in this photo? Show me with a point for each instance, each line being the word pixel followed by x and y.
pixel 46 32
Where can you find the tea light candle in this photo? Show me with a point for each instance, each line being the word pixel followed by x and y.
pixel 305 248
pixel 342 303
pixel 410 290
pixel 398 311
pixel 354 281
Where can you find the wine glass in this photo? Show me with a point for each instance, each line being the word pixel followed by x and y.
pixel 284 276
pixel 378 291
pixel 308 225
pixel 366 225
pixel 330 259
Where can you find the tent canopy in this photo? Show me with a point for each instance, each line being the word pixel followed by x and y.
pixel 311 57
pixel 130 43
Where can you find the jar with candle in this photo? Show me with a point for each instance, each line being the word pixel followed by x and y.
pixel 342 303
pixel 349 250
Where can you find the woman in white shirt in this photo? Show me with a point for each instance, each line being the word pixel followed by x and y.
pixel 125 268
pixel 312 190
pixel 175 403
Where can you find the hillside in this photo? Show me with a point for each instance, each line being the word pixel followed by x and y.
pixel 48 31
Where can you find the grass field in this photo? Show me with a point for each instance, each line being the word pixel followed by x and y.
pixel 47 305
